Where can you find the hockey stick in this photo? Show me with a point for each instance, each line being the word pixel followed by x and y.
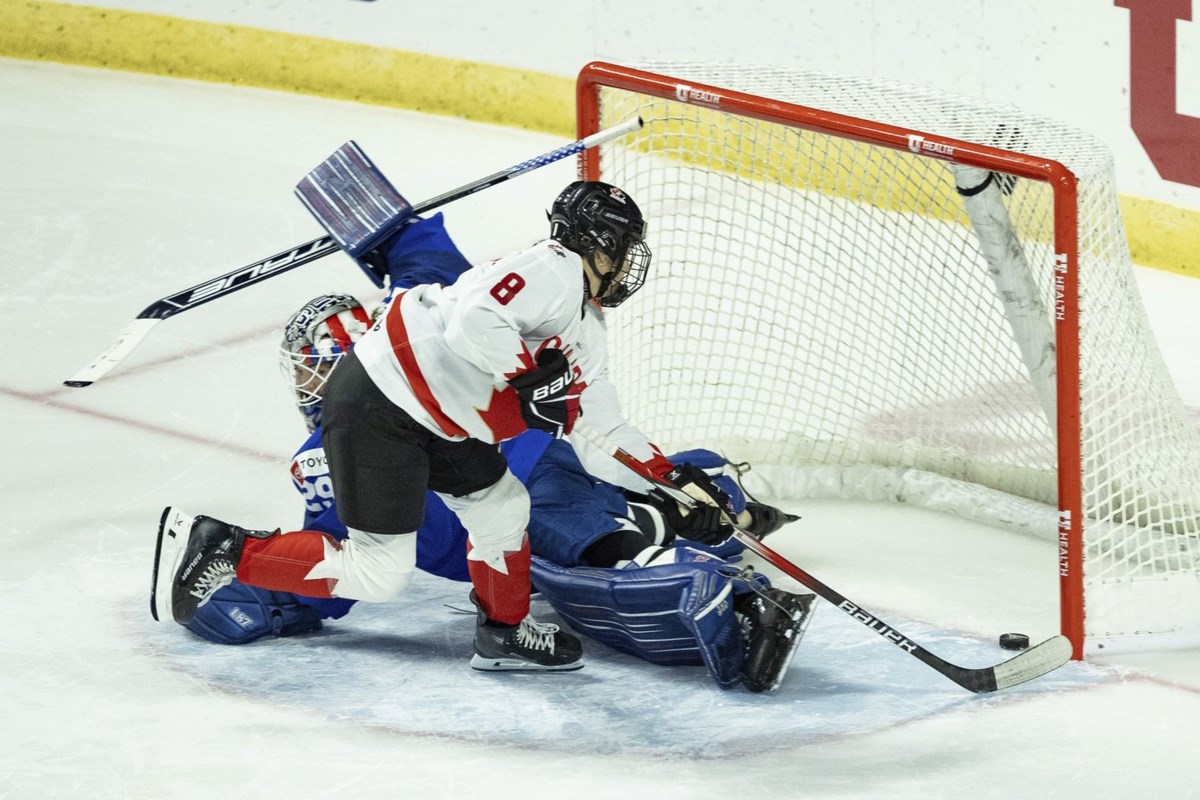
pixel 302 254
pixel 1033 663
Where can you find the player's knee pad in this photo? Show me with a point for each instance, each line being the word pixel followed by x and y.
pixel 239 614
pixel 373 567
pixel 495 517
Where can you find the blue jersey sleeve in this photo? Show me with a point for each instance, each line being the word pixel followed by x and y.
pixel 424 253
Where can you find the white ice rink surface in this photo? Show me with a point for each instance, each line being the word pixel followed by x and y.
pixel 116 190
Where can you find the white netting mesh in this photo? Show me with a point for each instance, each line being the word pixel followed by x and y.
pixel 817 305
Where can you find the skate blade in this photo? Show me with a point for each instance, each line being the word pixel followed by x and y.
pixel 518 665
pixel 174 528
pixel 798 630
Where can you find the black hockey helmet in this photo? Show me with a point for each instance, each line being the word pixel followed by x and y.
pixel 590 217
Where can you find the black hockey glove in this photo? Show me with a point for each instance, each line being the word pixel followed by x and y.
pixel 662 518
pixel 697 483
pixel 549 398
pixel 705 522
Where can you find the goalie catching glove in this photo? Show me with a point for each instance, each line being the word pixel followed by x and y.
pixel 549 396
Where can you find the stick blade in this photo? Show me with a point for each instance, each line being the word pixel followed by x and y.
pixel 123 346
pixel 1033 663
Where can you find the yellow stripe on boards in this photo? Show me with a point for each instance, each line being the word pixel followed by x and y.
pixel 235 54
pixel 1160 235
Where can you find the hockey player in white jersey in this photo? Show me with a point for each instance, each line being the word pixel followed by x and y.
pixel 444 375
pixel 576 524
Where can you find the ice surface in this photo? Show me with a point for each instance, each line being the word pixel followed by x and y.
pixel 116 190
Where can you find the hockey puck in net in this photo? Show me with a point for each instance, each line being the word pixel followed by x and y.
pixel 1014 641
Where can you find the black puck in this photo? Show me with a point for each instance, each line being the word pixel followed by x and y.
pixel 1014 641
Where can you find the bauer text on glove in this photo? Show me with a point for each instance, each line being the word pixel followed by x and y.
pixel 549 394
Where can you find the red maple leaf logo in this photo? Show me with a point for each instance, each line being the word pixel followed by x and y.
pixel 527 360
pixel 503 413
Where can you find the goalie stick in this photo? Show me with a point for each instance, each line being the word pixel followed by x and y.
pixel 1033 663
pixel 302 254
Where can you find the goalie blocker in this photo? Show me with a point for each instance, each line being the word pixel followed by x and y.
pixel 359 207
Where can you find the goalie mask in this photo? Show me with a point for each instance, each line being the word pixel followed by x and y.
pixel 589 218
pixel 314 340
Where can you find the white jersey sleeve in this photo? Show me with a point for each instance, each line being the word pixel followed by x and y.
pixel 601 411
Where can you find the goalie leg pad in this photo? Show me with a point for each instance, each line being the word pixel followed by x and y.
pixel 673 614
pixel 239 614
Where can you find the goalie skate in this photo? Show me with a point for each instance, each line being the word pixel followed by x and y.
pixel 773 623
pixel 173 529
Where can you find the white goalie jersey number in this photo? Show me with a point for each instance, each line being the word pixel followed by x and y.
pixel 310 471
pixel 318 493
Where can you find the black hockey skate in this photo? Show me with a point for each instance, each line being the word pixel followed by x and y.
pixel 194 557
pixel 765 519
pixel 529 645
pixel 773 623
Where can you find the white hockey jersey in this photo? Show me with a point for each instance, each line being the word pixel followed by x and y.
pixel 445 353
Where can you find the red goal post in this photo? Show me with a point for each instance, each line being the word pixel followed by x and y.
pixel 679 100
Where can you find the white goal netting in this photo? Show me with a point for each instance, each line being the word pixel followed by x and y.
pixel 837 313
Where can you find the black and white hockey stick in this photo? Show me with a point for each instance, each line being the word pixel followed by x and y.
pixel 302 254
pixel 1033 663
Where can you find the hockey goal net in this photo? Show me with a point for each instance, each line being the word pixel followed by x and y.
pixel 870 290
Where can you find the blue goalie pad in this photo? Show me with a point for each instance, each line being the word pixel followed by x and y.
pixel 730 550
pixel 675 614
pixel 239 614
pixel 355 203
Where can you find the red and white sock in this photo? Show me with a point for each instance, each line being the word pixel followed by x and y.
pixel 282 561
pixel 503 593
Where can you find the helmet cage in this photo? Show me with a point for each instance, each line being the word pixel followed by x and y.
pixel 315 339
pixel 618 285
